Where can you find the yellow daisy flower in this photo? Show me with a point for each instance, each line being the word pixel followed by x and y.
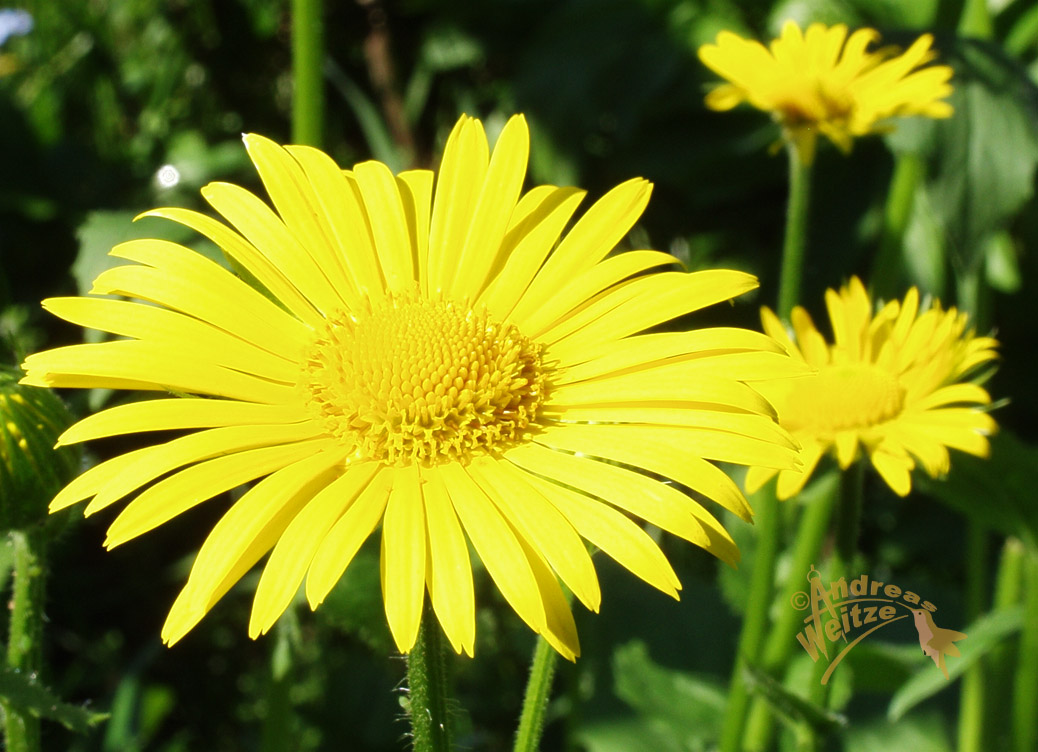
pixel 823 81
pixel 426 355
pixel 890 384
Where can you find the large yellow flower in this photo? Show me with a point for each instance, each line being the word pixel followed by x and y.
pixel 891 385
pixel 823 81
pixel 426 355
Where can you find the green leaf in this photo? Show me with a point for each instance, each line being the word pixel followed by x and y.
pixel 626 735
pixel 984 634
pixel 996 491
pixel 688 706
pixel 920 733
pixel 792 707
pixel 981 162
pixel 29 695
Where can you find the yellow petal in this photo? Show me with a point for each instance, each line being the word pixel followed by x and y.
pixel 342 542
pixel 385 209
pixel 450 577
pixel 297 545
pixel 403 557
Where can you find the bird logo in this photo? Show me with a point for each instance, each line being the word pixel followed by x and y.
pixel 934 640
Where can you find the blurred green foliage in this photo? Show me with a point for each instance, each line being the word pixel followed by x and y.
pixel 102 95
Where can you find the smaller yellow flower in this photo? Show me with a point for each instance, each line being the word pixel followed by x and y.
pixel 823 81
pixel 891 383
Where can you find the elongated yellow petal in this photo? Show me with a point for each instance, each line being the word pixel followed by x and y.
pixel 653 501
pixel 595 234
pixel 450 576
pixel 302 211
pixel 300 540
pixel 462 171
pixel 403 557
pixel 673 453
pixel 347 219
pixel 94 479
pixel 381 196
pixel 242 536
pixel 165 327
pixel 342 542
pixel 416 194
pixel 244 253
pixel 541 524
pixel 175 414
pixel 496 545
pixel 178 493
pixel 560 631
pixel 265 230
pixel 195 448
pixel 612 532
pixel 647 301
pixel 190 283
pixel 617 355
pixel 544 212
pixel 147 365
pixel 590 283
pixel 498 195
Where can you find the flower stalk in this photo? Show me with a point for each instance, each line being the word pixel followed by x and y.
pixel 307 70
pixel 751 639
pixel 535 701
pixel 427 688
pixel 794 246
pixel 22 729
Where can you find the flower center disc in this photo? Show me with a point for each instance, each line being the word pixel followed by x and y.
pixel 420 380
pixel 841 398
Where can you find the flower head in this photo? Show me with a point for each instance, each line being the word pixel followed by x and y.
pixel 426 355
pixel 823 81
pixel 890 385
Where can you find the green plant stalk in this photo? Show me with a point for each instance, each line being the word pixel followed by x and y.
pixel 1025 695
pixel 535 701
pixel 427 688
pixel 974 690
pixel 848 525
pixel 975 20
pixel 807 545
pixel 24 649
pixel 887 269
pixel 307 68
pixel 751 639
pixel 794 246
pixel 277 735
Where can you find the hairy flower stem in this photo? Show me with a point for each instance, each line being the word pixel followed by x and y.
pixel 22 729
pixel 535 702
pixel 751 639
pixel 795 244
pixel 307 68
pixel 807 546
pixel 427 688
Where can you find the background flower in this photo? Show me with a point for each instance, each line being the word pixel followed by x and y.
pixel 891 385
pixel 822 81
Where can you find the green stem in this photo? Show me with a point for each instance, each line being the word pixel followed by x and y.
pixel 751 639
pixel 307 62
pixel 24 648
pixel 807 545
pixel 427 688
pixel 975 20
pixel 795 243
pixel 848 525
pixel 887 270
pixel 973 691
pixel 535 703
pixel 277 732
pixel 1025 696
